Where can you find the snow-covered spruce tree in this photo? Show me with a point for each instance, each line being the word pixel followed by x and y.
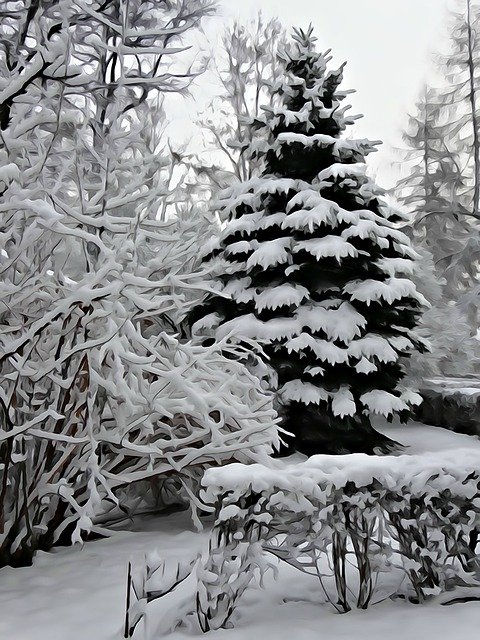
pixel 316 268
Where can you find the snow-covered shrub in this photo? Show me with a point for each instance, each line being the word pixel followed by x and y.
pixel 322 547
pixel 154 579
pixel 234 558
pixel 409 513
pixel 212 585
pixel 97 390
pixel 97 397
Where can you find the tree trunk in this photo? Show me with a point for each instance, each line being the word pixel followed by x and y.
pixel 315 431
pixel 473 105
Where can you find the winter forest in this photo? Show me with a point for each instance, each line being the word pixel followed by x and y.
pixel 239 339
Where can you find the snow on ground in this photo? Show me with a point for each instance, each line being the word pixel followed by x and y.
pixel 421 438
pixel 79 593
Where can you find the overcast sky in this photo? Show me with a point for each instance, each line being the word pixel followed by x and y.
pixel 388 46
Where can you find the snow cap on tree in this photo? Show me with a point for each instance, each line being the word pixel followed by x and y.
pixel 315 267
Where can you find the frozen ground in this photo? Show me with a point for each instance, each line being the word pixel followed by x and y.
pixel 420 438
pixel 79 593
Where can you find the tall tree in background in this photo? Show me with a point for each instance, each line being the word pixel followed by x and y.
pixel 463 92
pixel 463 62
pixel 315 266
pixel 436 190
pixel 442 187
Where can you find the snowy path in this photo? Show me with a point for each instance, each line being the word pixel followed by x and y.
pixel 78 594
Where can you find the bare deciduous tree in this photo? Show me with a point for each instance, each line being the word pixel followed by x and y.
pixel 245 68
pixel 97 391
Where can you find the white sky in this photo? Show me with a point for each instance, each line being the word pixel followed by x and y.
pixel 388 46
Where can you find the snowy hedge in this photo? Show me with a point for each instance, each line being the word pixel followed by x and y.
pixel 451 403
pixel 413 514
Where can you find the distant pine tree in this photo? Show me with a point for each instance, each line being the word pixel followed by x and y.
pixel 315 268
pixel 438 195
pixel 442 186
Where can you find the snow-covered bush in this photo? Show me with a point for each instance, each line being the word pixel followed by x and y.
pixel 411 513
pixel 451 403
pixel 153 580
pixel 211 585
pixel 97 390
pixel 234 558
pixel 97 396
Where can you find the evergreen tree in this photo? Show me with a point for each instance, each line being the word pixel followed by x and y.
pixel 437 193
pixel 462 90
pixel 442 188
pixel 453 351
pixel 316 268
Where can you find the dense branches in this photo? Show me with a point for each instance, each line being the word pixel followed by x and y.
pixel 98 263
